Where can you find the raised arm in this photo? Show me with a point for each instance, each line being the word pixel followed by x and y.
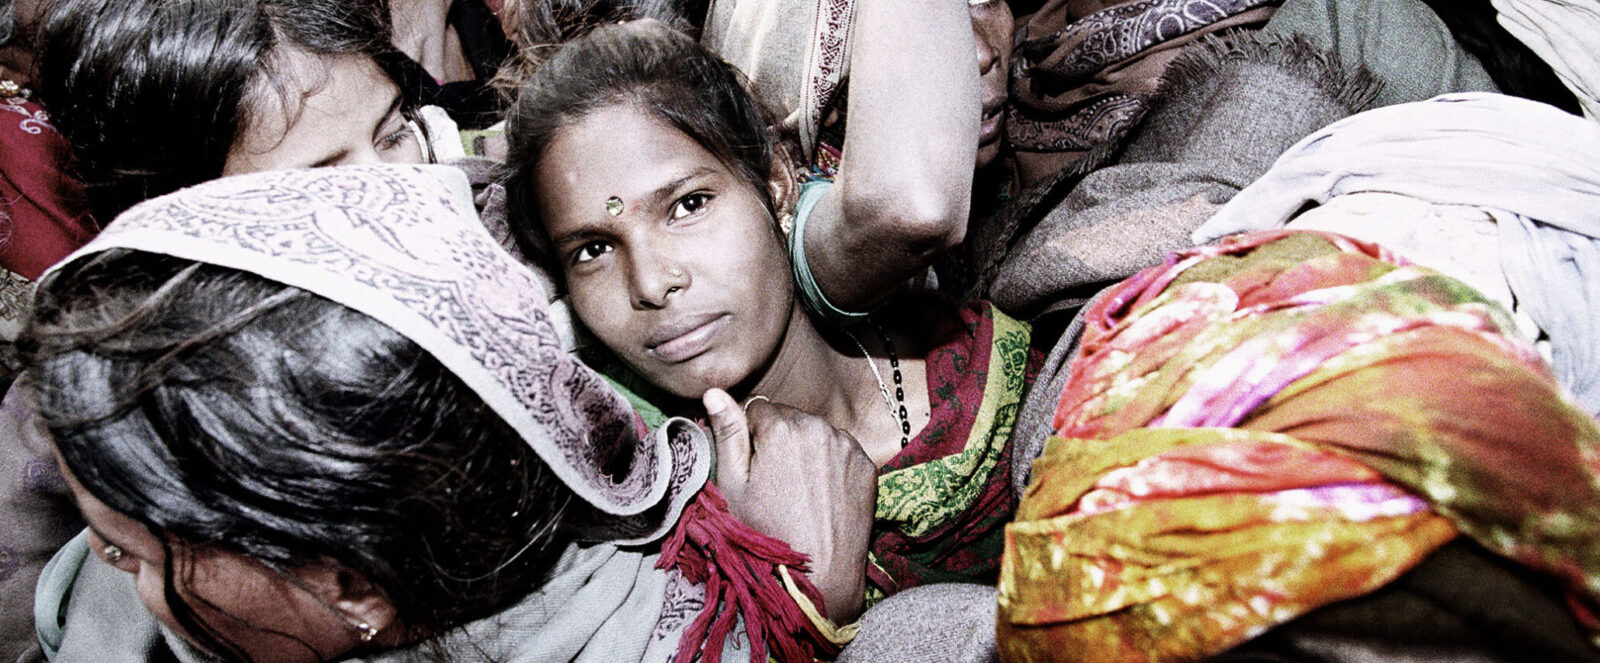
pixel 905 183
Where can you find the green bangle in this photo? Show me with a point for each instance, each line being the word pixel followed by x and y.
pixel 810 293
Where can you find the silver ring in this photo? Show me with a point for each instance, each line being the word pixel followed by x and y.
pixel 752 399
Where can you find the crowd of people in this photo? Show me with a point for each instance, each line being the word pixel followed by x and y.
pixel 799 330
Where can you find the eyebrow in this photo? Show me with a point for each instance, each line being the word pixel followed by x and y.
pixel 105 538
pixel 331 159
pixel 394 107
pixel 655 198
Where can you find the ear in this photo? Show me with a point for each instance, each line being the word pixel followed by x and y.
pixel 782 183
pixel 353 598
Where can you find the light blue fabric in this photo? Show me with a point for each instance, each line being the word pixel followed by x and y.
pixel 50 595
pixel 1533 168
pixel 810 293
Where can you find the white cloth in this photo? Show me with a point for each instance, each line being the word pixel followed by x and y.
pixel 1529 166
pixel 1566 35
pixel 796 54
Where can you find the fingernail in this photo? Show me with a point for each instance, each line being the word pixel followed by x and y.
pixel 716 401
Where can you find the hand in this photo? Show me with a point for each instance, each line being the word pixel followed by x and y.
pixel 791 475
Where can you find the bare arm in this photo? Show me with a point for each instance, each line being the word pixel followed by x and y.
pixel 904 187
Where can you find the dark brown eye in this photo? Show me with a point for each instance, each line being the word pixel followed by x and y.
pixel 590 251
pixel 689 204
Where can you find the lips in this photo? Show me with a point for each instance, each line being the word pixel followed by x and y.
pixel 992 115
pixel 685 338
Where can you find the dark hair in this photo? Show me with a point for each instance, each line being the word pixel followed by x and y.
pixel 151 95
pixel 542 26
pixel 222 409
pixel 8 21
pixel 660 70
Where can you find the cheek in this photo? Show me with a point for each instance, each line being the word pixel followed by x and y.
pixel 149 580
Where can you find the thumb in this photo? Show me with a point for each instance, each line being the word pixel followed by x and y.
pixel 731 430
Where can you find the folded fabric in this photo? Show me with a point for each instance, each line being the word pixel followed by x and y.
pixel 1529 166
pixel 1562 33
pixel 1227 108
pixel 1259 428
pixel 1084 71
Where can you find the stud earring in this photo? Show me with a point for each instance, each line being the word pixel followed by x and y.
pixel 786 223
pixel 112 554
pixel 368 631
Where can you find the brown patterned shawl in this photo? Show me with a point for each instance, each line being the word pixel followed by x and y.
pixel 1083 69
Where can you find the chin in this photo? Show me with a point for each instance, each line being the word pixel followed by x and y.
pixel 688 383
pixel 987 154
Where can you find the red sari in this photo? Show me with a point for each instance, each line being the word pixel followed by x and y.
pixel 43 211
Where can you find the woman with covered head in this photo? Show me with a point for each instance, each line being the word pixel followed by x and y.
pixel 652 183
pixel 155 96
pixel 318 415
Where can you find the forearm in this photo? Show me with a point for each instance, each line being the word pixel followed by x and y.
pixel 905 183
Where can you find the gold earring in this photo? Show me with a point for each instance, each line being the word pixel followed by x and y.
pixel 112 554
pixel 786 223
pixel 368 631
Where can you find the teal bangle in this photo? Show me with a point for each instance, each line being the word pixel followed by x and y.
pixel 810 293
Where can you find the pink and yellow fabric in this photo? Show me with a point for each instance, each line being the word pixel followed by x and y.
pixel 1277 422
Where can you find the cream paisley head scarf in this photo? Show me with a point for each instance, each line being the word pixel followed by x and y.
pixel 403 245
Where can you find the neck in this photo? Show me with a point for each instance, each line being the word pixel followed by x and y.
pixel 823 376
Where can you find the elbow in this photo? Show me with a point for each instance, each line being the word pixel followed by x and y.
pixel 926 219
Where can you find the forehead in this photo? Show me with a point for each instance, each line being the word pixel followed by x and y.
pixel 621 151
pixel 104 519
pixel 991 13
pixel 307 105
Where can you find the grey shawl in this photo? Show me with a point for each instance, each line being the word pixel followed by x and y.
pixel 1226 109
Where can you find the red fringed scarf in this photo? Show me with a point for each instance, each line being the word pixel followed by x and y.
pixel 739 568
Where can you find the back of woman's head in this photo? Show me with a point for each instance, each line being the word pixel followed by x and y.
pixel 653 67
pixel 221 409
pixel 151 94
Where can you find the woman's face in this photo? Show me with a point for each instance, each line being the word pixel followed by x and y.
pixel 682 273
pixel 992 27
pixel 323 110
pixel 272 619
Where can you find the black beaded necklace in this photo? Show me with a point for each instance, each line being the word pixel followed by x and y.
pixel 897 404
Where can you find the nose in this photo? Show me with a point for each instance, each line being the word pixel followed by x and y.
pixel 655 279
pixel 365 155
pixel 988 57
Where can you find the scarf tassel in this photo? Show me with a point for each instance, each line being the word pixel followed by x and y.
pixel 739 568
